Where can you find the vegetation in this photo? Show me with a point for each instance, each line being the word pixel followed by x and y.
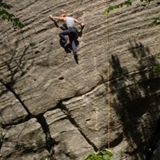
pixel 155 22
pixel 101 155
pixel 112 8
pixel 129 3
pixel 5 15
pixel 126 3
pixel 156 69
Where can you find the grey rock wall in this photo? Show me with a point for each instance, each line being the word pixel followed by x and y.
pixel 52 108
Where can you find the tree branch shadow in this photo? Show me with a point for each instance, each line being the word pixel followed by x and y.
pixel 13 69
pixel 135 98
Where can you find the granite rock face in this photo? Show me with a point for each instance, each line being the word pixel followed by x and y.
pixel 53 108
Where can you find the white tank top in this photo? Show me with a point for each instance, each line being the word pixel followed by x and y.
pixel 69 22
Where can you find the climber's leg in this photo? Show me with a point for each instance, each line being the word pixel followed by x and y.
pixel 62 36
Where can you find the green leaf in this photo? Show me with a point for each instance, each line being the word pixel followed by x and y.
pixel 155 22
pixel 127 3
pixel 5 6
pixel 105 157
pixel 101 155
pixel 5 15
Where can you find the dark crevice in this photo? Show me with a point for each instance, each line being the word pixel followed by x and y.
pixel 154 148
pixel 50 142
pixel 70 156
pixel 116 141
pixel 74 123
pixel 113 143
pixel 61 78
pixel 9 87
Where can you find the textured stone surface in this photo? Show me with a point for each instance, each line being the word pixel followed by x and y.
pixel 70 141
pixel 90 115
pixel 23 140
pixel 52 108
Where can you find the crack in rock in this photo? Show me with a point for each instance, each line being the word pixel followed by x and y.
pixel 50 142
pixel 9 87
pixel 74 123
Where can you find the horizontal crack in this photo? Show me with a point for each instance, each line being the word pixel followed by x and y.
pixel 22 120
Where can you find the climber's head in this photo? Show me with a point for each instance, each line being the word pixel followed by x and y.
pixel 63 15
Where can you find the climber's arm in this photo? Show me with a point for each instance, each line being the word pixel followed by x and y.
pixel 56 18
pixel 78 22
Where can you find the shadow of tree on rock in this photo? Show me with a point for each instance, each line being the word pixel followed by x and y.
pixel 13 68
pixel 136 99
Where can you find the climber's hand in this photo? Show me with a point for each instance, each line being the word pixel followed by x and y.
pixel 51 16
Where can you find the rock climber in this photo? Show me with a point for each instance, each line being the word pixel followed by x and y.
pixel 70 31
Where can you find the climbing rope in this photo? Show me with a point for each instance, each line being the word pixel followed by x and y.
pixel 108 85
